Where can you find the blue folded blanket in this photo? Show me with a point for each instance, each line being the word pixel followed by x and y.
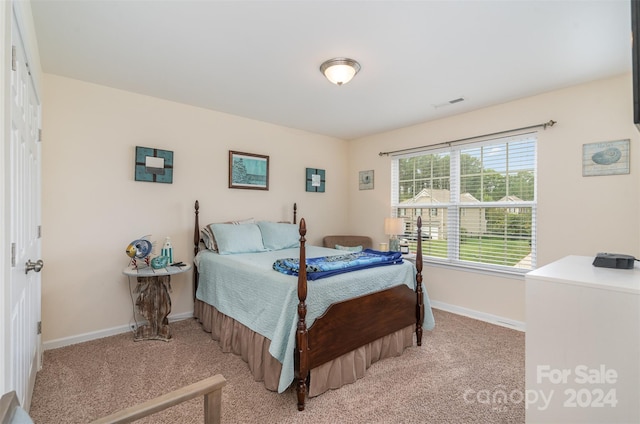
pixel 326 266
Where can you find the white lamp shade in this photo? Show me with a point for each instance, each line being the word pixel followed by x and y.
pixel 393 226
pixel 340 70
pixel 340 74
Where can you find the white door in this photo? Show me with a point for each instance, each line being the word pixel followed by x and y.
pixel 24 218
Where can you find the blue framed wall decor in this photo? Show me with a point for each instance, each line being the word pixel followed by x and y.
pixel 315 180
pixel 154 165
pixel 248 171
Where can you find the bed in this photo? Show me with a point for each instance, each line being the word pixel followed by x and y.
pixel 316 332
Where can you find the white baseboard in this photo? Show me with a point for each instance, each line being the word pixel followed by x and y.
pixel 67 341
pixel 481 316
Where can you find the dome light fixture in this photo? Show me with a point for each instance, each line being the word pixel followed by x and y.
pixel 340 70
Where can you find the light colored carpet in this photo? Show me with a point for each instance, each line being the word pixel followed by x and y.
pixel 457 376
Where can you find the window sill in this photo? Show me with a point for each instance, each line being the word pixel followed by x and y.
pixel 515 273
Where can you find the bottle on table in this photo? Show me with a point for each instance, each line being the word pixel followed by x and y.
pixel 167 250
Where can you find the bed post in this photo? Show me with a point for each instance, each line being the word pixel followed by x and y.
pixel 295 212
pixel 301 358
pixel 419 294
pixel 196 247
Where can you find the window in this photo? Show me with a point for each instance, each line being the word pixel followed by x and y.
pixel 481 199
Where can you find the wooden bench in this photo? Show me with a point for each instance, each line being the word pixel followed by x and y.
pixel 210 388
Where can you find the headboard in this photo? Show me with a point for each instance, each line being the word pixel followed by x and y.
pixel 197 239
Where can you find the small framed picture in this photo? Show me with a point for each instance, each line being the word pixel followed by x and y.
pixel 315 180
pixel 366 180
pixel 248 170
pixel 154 165
pixel 605 158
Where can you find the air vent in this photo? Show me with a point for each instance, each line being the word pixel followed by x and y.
pixel 449 103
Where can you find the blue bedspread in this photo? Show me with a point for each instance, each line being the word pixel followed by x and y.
pixel 245 287
pixel 326 266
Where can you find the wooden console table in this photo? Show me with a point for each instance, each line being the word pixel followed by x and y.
pixel 154 301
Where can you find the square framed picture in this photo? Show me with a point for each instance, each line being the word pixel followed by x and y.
pixel 605 158
pixel 154 165
pixel 365 180
pixel 315 180
pixel 248 171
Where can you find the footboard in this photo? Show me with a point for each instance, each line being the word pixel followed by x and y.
pixel 352 323
pixel 340 329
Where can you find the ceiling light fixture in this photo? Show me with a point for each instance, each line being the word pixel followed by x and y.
pixel 340 70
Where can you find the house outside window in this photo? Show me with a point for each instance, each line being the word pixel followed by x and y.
pixel 480 198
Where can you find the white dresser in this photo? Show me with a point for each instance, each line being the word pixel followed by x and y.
pixel 582 343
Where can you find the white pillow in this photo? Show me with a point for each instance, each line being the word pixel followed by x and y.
pixel 209 239
pixel 355 249
pixel 232 238
pixel 278 235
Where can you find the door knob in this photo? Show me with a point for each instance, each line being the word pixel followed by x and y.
pixel 33 266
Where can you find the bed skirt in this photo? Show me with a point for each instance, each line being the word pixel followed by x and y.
pixel 254 350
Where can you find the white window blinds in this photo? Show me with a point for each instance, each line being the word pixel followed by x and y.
pixel 477 202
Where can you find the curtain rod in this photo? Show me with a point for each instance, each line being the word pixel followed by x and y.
pixel 551 123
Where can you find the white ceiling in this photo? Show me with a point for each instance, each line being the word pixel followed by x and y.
pixel 260 59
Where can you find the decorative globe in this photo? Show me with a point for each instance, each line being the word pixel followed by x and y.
pixel 139 249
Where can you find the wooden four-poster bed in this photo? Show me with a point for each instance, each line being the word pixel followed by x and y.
pixel 319 330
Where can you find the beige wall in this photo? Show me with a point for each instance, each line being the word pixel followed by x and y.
pixel 576 215
pixel 92 207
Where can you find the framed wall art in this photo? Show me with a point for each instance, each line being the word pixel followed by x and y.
pixel 248 171
pixel 154 165
pixel 365 180
pixel 605 158
pixel 315 180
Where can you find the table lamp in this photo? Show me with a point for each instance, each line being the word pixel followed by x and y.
pixel 393 227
